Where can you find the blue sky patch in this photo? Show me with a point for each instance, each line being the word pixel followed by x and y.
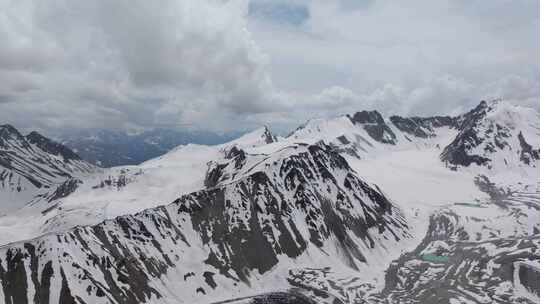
pixel 279 12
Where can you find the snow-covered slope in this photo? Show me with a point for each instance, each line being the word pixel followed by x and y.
pixel 33 165
pixel 497 135
pixel 122 190
pixel 263 216
pixel 325 210
pixel 367 135
pixel 259 137
pixel 483 251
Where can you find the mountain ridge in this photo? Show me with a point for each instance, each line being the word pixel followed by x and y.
pixel 325 210
pixel 140 246
pixel 495 130
pixel 33 165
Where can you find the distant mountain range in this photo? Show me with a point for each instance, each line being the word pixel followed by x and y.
pixel 109 148
pixel 358 208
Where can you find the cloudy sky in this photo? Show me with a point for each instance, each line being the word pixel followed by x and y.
pixel 238 64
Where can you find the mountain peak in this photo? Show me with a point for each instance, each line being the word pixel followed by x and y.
pixel 375 126
pixel 491 131
pixel 51 146
pixel 482 104
pixel 8 130
pixel 7 127
pixel 269 137
pixel 31 166
pixel 36 136
pixel 489 106
pixel 364 117
pixel 10 135
pixel 257 137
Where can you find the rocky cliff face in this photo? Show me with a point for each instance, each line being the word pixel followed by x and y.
pixel 375 126
pixel 423 127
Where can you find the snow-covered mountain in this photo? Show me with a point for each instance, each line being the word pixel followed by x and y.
pixel 33 165
pixel 355 209
pixel 497 135
pixel 261 216
pixel 367 134
pixel 128 189
pixel 109 148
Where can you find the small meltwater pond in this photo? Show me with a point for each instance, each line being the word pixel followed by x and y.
pixel 472 205
pixel 433 258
